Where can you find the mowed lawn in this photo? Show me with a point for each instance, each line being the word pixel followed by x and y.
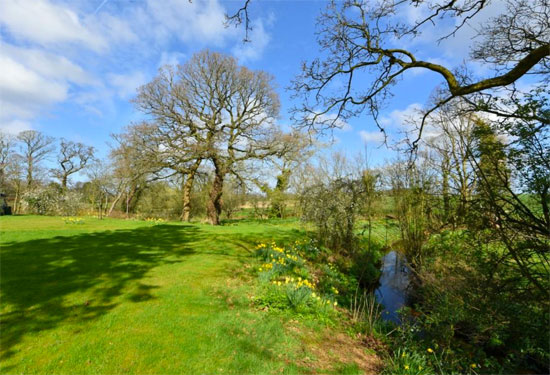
pixel 121 296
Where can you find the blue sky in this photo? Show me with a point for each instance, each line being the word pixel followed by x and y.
pixel 70 68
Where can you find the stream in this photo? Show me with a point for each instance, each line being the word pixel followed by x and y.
pixel 394 281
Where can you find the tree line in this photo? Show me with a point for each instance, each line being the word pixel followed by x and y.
pixel 209 116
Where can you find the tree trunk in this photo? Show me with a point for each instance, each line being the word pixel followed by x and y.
pixel 64 182
pixel 188 178
pixel 132 198
pixel 29 173
pixel 214 207
pixel 445 190
pixel 16 200
pixel 187 186
pixel 115 201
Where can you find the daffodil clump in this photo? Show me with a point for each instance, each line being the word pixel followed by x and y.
pixel 73 220
pixel 282 268
pixel 281 260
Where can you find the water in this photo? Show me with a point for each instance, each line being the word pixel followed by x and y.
pixel 394 281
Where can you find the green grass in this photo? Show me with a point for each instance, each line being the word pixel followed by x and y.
pixel 120 296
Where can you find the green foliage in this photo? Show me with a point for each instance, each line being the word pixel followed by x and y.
pixel 158 200
pixel 471 304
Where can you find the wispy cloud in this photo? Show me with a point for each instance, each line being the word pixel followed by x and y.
pixel 371 137
pixel 100 6
pixel 127 84
pixel 254 49
pixel 47 24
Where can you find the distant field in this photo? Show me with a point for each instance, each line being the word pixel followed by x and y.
pixel 121 296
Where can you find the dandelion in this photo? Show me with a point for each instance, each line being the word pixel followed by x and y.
pixel 473 365
pixel 406 367
pixel 430 350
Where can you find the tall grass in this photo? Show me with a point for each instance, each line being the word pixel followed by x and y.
pixel 365 310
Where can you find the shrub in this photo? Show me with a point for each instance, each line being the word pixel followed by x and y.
pixel 469 304
pixel 333 208
pixel 51 201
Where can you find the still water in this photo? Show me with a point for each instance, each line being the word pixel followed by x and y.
pixel 394 282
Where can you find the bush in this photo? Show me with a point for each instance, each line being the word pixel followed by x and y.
pixel 470 305
pixel 334 208
pixel 51 201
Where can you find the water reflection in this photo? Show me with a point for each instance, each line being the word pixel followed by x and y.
pixel 394 281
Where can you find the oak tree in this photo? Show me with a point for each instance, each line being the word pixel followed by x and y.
pixel 216 111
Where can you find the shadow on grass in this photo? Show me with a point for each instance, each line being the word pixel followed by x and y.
pixel 41 279
pixel 46 283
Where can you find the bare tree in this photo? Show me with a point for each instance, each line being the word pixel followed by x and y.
pixel 135 164
pixel 365 46
pixel 100 185
pixel 222 112
pixel 453 126
pixel 34 147
pixel 6 145
pixel 72 158
pixel 296 149
pixel 167 145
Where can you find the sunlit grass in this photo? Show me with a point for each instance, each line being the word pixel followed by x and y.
pixel 121 296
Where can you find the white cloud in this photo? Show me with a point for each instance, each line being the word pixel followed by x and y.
pixel 199 22
pixel 252 50
pixel 171 58
pixel 47 64
pixel 44 23
pixel 371 137
pixel 401 118
pixel 113 28
pixel 330 118
pixel 14 126
pixel 127 84
pixel 23 92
